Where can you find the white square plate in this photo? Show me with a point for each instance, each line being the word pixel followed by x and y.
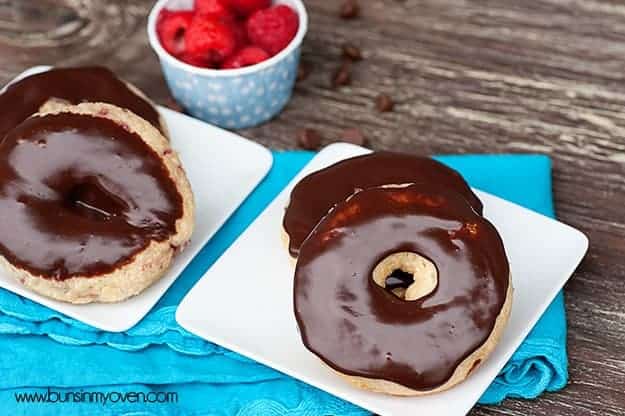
pixel 223 169
pixel 257 319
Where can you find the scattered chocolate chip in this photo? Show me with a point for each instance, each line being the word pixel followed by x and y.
pixel 309 139
pixel 302 72
pixel 343 75
pixel 384 103
pixel 352 52
pixel 353 136
pixel 349 9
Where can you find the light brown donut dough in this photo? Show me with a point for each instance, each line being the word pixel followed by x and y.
pixel 148 265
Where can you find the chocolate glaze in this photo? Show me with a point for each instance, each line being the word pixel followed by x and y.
pixel 80 195
pixel 362 329
pixel 314 195
pixel 75 85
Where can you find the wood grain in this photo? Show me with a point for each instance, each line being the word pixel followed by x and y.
pixel 467 76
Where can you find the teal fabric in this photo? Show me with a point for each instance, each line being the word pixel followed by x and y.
pixel 41 349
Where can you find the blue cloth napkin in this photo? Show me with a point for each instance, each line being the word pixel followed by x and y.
pixel 45 353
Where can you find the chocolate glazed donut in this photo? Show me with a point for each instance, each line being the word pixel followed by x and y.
pixel 314 195
pixel 434 320
pixel 72 86
pixel 94 204
pixel 81 211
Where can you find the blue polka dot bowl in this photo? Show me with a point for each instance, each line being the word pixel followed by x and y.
pixel 231 98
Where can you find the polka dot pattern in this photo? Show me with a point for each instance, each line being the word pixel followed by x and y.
pixel 235 102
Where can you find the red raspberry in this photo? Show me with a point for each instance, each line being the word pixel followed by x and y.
pixel 171 28
pixel 250 55
pixel 213 8
pixel 210 39
pixel 196 61
pixel 221 10
pixel 273 29
pixel 247 7
pixel 240 33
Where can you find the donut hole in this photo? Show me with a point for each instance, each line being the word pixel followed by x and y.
pixel 89 198
pixel 408 276
pixel 398 281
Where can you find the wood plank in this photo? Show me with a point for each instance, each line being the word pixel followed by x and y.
pixel 467 76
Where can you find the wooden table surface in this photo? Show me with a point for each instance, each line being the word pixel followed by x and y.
pixel 467 76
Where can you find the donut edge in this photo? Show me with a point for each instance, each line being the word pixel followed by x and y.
pixel 286 237
pixel 462 371
pixel 147 267
pixel 54 106
pixel 149 264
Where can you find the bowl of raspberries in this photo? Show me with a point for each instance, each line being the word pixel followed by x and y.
pixel 232 63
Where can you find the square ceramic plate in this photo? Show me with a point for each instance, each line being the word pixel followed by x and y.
pixel 257 320
pixel 223 169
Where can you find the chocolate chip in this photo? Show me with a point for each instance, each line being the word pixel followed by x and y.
pixel 352 52
pixel 353 136
pixel 349 9
pixel 309 139
pixel 343 75
pixel 302 72
pixel 384 103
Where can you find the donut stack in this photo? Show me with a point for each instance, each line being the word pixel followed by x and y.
pixel 94 203
pixel 401 286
